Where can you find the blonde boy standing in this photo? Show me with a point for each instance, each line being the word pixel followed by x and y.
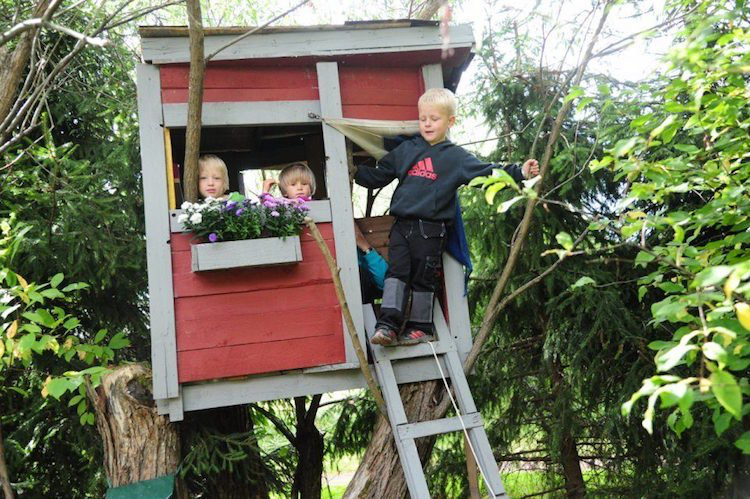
pixel 429 168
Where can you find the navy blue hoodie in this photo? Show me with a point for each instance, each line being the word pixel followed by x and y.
pixel 428 177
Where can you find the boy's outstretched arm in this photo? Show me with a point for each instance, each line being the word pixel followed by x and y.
pixel 376 176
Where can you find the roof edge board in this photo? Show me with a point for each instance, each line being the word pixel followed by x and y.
pixel 168 50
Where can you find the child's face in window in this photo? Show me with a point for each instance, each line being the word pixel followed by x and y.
pixel 211 182
pixel 434 123
pixel 299 188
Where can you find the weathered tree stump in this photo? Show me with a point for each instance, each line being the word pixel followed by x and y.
pixel 139 444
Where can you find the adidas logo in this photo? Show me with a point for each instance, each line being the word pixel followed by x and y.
pixel 423 169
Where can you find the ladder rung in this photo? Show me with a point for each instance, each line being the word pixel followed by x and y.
pixel 438 426
pixel 414 351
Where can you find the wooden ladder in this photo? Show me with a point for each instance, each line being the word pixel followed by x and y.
pixel 405 433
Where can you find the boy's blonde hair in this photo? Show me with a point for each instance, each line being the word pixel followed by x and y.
pixel 440 97
pixel 294 172
pixel 213 161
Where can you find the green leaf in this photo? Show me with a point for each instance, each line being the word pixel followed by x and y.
pixel 664 124
pixel 574 92
pixel 711 276
pixel 660 345
pixel 58 386
pixel 624 146
pixel 727 392
pixel 100 335
pixel 56 280
pixel 492 191
pixel 583 281
pixel 714 351
pixel 721 423
pixel 743 443
pixel 119 341
pixel 71 323
pixel 565 240
pixel 75 287
pixel 52 294
pixel 505 205
pixel 672 357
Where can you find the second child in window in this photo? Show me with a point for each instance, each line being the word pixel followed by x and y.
pixel 295 181
pixel 429 168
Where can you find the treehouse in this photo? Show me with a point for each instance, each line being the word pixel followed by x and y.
pixel 235 324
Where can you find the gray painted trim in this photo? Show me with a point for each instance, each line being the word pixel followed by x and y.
pixel 245 253
pixel 337 182
pixel 227 392
pixel 310 43
pixel 438 426
pixel 320 211
pixel 410 352
pixel 246 113
pixel 222 393
pixel 457 304
pixel 161 296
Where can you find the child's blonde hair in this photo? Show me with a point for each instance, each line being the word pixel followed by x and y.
pixel 440 97
pixel 294 172
pixel 213 161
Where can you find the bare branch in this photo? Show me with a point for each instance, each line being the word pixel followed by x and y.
pixel 255 30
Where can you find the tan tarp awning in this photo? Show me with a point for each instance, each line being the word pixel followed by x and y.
pixel 369 134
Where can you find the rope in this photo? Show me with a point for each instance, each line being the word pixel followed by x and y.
pixel 458 413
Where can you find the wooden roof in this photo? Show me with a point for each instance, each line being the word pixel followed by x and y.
pixel 182 31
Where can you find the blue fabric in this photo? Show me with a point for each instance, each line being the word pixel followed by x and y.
pixel 375 265
pixel 458 246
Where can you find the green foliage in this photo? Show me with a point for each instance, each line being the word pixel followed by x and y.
pixel 689 177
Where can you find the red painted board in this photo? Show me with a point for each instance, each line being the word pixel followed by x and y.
pixel 241 360
pixel 215 308
pixel 375 112
pixel 366 85
pixel 241 75
pixel 260 328
pixel 188 284
pixel 237 82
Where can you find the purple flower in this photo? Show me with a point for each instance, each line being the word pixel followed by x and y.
pixel 231 205
pixel 239 212
pixel 274 213
pixel 213 237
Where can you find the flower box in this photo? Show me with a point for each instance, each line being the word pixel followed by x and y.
pixel 246 253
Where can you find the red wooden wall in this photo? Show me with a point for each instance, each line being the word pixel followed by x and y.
pixel 369 92
pixel 238 322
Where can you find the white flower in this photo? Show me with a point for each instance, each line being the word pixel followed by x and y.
pixel 186 205
pixel 182 218
pixel 196 218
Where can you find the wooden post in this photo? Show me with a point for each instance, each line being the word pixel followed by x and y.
pixel 371 384
pixel 471 470
pixel 195 99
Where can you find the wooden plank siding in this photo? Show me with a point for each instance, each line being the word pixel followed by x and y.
pixel 241 82
pixel 255 320
pixel 362 87
pixel 380 92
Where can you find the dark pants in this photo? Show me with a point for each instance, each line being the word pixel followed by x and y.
pixel 415 261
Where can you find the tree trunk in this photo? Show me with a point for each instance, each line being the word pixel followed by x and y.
pixel 4 475
pixel 380 474
pixel 227 484
pixel 139 444
pixel 195 100
pixel 569 459
pixel 308 477
pixel 14 64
